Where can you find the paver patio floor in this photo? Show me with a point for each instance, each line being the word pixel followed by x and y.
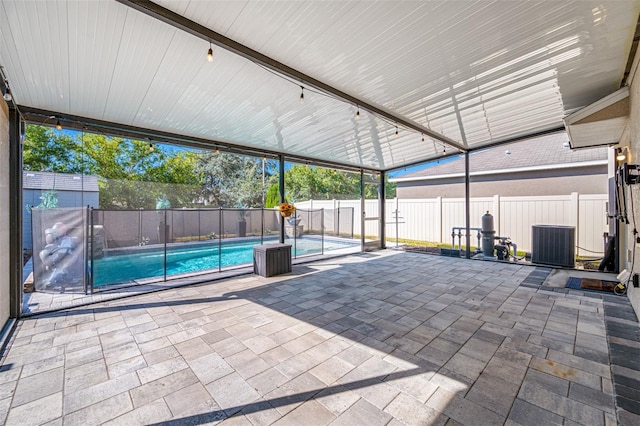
pixel 375 338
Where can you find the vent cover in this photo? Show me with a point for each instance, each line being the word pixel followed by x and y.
pixel 554 245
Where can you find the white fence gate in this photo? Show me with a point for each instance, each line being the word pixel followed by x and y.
pixel 432 219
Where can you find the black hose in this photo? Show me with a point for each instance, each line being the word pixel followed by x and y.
pixel 590 251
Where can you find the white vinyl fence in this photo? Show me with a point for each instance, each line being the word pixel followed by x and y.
pixel 432 219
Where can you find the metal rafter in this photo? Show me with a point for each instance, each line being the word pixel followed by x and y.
pixel 180 22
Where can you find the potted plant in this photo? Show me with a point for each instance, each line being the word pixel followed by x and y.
pixel 241 226
pixel 163 203
pixel 286 209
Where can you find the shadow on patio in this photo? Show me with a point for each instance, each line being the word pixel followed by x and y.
pixel 382 336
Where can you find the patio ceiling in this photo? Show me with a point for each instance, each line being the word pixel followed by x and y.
pixel 476 72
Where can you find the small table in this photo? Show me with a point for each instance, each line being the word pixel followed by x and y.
pixel 271 259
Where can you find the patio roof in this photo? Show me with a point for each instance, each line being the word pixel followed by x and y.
pixel 468 74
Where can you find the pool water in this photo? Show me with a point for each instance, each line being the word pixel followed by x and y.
pixel 127 267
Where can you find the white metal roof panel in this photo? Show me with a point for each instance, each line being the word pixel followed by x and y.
pixel 478 72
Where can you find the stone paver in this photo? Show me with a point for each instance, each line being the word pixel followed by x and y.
pixel 384 338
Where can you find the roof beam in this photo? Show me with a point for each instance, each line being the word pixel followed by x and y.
pixel 180 22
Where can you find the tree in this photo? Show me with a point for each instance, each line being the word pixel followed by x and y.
pixel 273 196
pixel 45 150
pixel 130 174
pixel 229 180
pixel 308 182
pixel 49 200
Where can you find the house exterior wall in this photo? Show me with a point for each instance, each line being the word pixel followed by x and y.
pixel 631 138
pixel 4 214
pixel 583 180
pixel 31 197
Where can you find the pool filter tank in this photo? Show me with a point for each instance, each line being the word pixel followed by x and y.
pixel 488 235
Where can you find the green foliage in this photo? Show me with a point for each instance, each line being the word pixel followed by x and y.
pixel 49 201
pixel 46 150
pixel 273 196
pixel 305 182
pixel 162 203
pixel 130 175
pixel 390 188
pixel 229 180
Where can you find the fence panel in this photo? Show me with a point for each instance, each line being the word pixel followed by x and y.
pixel 519 214
pixel 59 249
pixel 357 214
pixel 432 219
pixel 420 219
pixel 592 216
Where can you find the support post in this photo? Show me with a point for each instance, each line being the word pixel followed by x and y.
pixel 467 203
pixel 281 187
pixel 362 210
pixel 383 210
pixel 88 237
pixel 15 212
pixel 93 250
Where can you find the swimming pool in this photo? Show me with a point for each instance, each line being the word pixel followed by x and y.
pixel 141 263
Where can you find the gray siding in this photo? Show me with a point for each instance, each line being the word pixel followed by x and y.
pixel 583 180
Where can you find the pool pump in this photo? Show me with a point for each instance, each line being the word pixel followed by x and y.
pixel 488 235
pixel 489 238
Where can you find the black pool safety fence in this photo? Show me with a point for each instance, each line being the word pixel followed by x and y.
pixel 85 250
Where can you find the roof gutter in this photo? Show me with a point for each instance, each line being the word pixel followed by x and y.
pixel 504 171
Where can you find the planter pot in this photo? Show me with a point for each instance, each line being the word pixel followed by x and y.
pixel 164 232
pixel 241 229
pixel 294 221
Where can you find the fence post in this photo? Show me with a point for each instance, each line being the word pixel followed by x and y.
pixel 337 216
pixel 165 241
pixel 396 209
pixel 439 218
pixel 575 217
pixel 496 213
pixel 220 239
pixel 322 230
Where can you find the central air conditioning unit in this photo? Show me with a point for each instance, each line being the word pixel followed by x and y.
pixel 554 245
